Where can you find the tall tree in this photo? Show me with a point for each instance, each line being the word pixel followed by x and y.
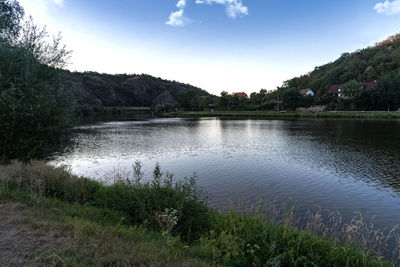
pixel 35 106
pixel 189 100
pixel 291 98
pixel 388 92
pixel 351 89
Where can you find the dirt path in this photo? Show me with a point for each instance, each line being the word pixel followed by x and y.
pixel 23 238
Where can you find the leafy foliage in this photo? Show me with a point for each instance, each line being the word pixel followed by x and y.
pixel 351 89
pixel 35 107
pixel 10 19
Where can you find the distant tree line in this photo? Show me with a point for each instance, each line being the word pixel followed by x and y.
pixel 380 63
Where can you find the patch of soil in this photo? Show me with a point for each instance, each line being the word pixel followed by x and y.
pixel 23 239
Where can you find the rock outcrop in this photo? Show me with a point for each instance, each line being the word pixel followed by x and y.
pixel 121 90
pixel 164 98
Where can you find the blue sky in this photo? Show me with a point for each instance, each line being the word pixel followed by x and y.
pixel 232 45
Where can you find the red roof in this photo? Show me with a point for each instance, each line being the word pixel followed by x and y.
pixel 366 86
pixel 370 85
pixel 304 91
pixel 244 95
pixel 335 88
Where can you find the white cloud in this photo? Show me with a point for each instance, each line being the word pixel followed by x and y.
pixel 176 18
pixel 181 4
pixel 388 7
pixel 234 9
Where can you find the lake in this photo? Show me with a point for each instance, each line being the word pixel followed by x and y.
pixel 344 165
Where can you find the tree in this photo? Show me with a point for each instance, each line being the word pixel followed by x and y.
pixel 225 101
pixel 257 98
pixel 189 100
pixel 291 98
pixel 306 101
pixel 351 89
pixel 36 108
pixel 388 92
pixel 363 101
pixel 11 15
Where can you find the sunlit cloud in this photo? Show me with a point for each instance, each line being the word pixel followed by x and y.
pixel 388 7
pixel 176 18
pixel 181 3
pixel 234 9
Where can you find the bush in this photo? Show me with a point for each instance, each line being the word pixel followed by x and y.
pixel 144 203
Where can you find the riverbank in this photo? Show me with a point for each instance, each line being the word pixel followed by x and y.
pixel 284 115
pixel 158 223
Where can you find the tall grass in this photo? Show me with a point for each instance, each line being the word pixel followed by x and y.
pixel 179 208
pixel 141 203
pixel 357 231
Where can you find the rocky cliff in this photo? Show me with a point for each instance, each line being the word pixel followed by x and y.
pixel 101 90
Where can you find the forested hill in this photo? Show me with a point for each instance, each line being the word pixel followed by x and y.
pixel 95 89
pixel 369 64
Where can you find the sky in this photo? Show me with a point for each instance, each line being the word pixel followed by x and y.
pixel 231 45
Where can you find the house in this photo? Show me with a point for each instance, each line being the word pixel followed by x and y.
pixel 370 85
pixel 242 95
pixel 336 88
pixel 306 92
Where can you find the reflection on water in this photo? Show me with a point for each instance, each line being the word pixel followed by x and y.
pixel 337 164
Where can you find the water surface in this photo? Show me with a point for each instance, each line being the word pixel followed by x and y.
pixel 345 165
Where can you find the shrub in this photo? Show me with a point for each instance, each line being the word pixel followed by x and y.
pixel 144 202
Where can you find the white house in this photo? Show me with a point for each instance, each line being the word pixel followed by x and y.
pixel 306 92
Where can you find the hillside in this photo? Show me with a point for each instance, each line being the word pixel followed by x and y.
pixel 365 65
pixel 95 89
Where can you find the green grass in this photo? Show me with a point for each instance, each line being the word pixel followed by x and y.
pixel 97 236
pixel 277 115
pixel 134 223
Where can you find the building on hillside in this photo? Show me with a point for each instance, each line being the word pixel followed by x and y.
pixel 370 85
pixel 306 92
pixel 242 95
pixel 337 88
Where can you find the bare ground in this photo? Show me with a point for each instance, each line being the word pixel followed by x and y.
pixel 24 239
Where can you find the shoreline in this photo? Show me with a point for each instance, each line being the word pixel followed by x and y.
pixel 373 115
